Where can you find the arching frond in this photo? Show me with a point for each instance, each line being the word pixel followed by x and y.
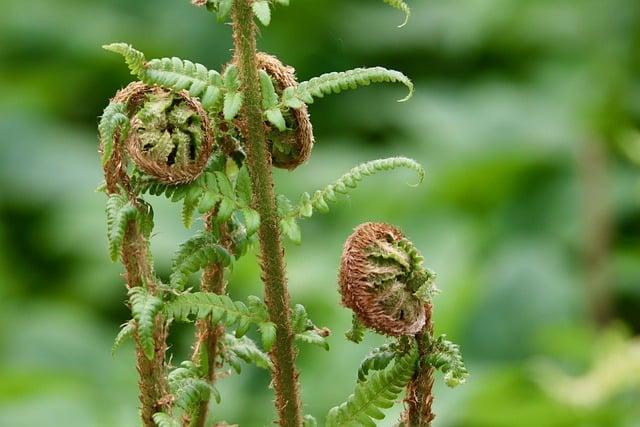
pixel 126 332
pixel 114 119
pixel 134 58
pixel 144 308
pixel 446 357
pixel 120 211
pixel 380 391
pixel 378 359
pixel 350 181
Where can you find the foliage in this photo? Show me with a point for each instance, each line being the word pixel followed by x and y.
pixel 144 308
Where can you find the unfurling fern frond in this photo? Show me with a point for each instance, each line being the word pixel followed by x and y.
pixel 195 254
pixel 144 308
pixel 244 349
pixel 221 308
pixel 336 82
pixel 380 391
pixel 378 359
pixel 134 58
pixel 356 333
pixel 126 331
pixel 114 119
pixel 400 5
pixel 350 181
pixel 446 357
pixel 120 211
pixel 173 73
pixel 165 420
pixel 188 388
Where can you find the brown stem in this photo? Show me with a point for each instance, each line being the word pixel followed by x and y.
pixel 285 377
pixel 152 378
pixel 207 334
pixel 419 398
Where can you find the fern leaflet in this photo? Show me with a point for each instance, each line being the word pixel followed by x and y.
pixel 350 181
pixel 134 58
pixel 244 349
pixel 378 359
pixel 195 254
pixel 144 308
pixel 164 420
pixel 402 6
pixel 187 388
pixel 114 119
pixel 356 333
pixel 380 391
pixel 120 211
pixel 126 331
pixel 446 357
pixel 336 82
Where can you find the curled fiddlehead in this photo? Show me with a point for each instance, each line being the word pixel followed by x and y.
pixel 383 281
pixel 169 135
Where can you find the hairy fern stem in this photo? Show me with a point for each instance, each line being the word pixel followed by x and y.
pixel 151 371
pixel 419 397
pixel 207 334
pixel 285 377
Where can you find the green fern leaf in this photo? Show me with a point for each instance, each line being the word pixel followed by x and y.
pixel 380 391
pixel 187 388
pixel 350 181
pixel 246 350
pixel 334 82
pixel 134 58
pixel 120 211
pixel 291 229
pixel 221 308
pixel 144 308
pixel 305 330
pixel 164 420
pixel 114 119
pixel 195 254
pixel 356 333
pixel 262 12
pixel 378 359
pixel 126 332
pixel 402 6
pixel 309 421
pixel 446 357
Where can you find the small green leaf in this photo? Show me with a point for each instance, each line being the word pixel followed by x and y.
pixel 291 229
pixel 251 220
pixel 275 117
pixel 224 7
pixel 268 332
pixel 232 104
pixel 225 209
pixel 262 11
pixel 208 202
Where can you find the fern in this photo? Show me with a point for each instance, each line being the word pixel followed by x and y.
pixel 221 308
pixel 126 332
pixel 402 6
pixel 446 357
pixel 350 181
pixel 243 348
pixel 164 420
pixel 378 359
pixel 120 211
pixel 195 254
pixel 336 82
pixel 114 119
pixel 380 391
pixel 187 388
pixel 144 308
pixel 356 333
pixel 173 73
pixel 306 331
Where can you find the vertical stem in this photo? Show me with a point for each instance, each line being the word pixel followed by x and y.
pixel 152 379
pixel 208 334
pixel 419 399
pixel 271 252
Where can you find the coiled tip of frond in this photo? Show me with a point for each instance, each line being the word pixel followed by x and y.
pixel 380 275
pixel 170 135
pixel 293 146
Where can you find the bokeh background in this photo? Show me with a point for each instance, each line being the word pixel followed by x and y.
pixel 526 117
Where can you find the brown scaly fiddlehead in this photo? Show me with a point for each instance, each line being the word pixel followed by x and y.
pixel 383 280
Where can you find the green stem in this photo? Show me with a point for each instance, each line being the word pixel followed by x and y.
pixel 152 376
pixel 264 201
pixel 208 334
pixel 419 397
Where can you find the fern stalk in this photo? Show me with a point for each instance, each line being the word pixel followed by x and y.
pixel 419 396
pixel 208 334
pixel 152 379
pixel 264 201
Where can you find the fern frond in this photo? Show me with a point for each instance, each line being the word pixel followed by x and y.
pixel 446 357
pixel 195 254
pixel 380 391
pixel 350 181
pixel 164 420
pixel 244 349
pixel 187 388
pixel 114 119
pixel 134 58
pixel 336 82
pixel 402 6
pixel 144 308
pixel 126 331
pixel 356 333
pixel 222 309
pixel 378 359
pixel 306 331
pixel 120 211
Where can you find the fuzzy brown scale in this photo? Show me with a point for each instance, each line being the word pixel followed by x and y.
pixel 378 278
pixel 182 129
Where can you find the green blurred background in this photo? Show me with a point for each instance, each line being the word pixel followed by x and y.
pixel 526 117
